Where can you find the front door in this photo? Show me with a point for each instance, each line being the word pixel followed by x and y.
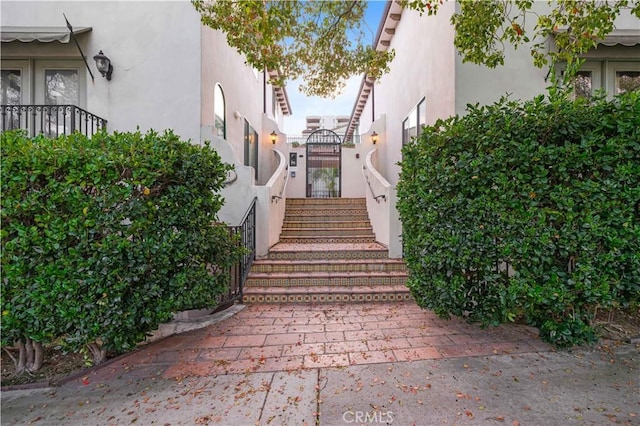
pixel 324 167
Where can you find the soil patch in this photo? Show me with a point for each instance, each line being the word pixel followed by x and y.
pixel 57 366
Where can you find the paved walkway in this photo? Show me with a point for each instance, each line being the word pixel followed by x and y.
pixel 263 338
pixel 344 365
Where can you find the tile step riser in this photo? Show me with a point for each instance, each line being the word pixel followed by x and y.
pixel 326 224
pixel 326 255
pixel 360 206
pixel 332 232
pixel 319 213
pixel 279 269
pixel 325 201
pixel 332 297
pixel 326 219
pixel 325 282
pixel 327 240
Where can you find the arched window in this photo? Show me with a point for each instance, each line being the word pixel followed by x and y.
pixel 219 110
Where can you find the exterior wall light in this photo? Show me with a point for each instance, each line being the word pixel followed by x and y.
pixel 374 137
pixel 274 137
pixel 104 65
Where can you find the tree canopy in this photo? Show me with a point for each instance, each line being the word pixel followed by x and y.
pixel 324 43
pixel 321 42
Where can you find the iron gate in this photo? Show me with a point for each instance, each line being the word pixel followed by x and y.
pixel 324 164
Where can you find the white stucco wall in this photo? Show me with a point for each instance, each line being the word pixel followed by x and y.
pixel 296 188
pixel 422 68
pixel 518 77
pixel 241 85
pixel 166 65
pixel 352 161
pixel 154 47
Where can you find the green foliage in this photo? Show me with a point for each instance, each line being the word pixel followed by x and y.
pixel 561 34
pixel 322 42
pixel 526 210
pixel 104 238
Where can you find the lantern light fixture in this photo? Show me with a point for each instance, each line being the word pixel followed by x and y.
pixel 274 137
pixel 374 137
pixel 104 65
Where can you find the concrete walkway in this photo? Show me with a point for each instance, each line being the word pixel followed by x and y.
pixel 345 364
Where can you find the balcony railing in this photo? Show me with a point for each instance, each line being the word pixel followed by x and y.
pixel 51 120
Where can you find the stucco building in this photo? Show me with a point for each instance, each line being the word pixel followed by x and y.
pixel 168 71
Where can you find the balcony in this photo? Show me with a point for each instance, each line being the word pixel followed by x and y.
pixel 51 120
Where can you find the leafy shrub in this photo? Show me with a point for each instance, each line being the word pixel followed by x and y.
pixel 104 238
pixel 526 210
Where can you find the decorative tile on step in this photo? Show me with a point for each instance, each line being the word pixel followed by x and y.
pixel 328 239
pixel 353 265
pixel 326 294
pixel 325 231
pixel 310 279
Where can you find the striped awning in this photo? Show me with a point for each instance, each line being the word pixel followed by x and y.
pixel 41 34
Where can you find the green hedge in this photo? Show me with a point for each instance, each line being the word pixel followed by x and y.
pixel 104 238
pixel 526 210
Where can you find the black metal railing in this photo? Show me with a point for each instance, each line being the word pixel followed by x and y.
pixel 239 271
pixel 355 139
pixel 51 120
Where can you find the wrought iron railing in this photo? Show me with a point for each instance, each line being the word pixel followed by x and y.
pixel 355 139
pixel 239 271
pixel 51 120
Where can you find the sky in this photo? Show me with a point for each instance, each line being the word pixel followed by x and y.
pixel 340 105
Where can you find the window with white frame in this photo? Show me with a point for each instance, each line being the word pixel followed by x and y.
pixel 623 77
pixel 43 82
pixel 615 77
pixel 11 87
pixel 414 122
pixel 219 111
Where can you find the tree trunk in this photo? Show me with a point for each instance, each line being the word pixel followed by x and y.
pixel 28 347
pixel 22 357
pixel 30 356
pixel 38 358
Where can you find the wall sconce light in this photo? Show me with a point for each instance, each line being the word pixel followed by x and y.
pixel 274 137
pixel 104 65
pixel 374 137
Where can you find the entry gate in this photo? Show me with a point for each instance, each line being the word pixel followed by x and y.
pixel 324 164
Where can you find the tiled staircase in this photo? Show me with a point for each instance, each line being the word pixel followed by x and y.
pixel 327 253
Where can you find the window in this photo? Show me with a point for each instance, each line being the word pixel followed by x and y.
pixel 627 81
pixel 60 82
pixel 415 121
pixel 583 84
pixel 250 146
pixel 11 87
pixel 61 87
pixel 622 77
pixel 219 111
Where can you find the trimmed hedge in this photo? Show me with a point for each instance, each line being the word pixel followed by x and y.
pixel 103 239
pixel 526 210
